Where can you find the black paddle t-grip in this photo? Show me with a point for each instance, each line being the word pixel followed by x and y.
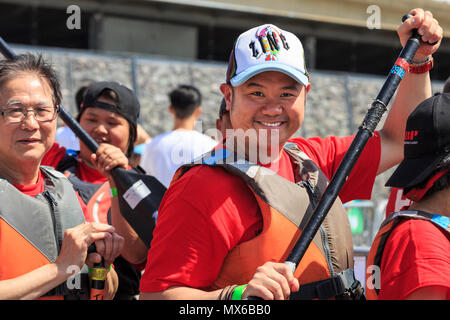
pixel 414 32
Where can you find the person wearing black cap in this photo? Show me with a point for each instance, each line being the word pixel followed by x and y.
pixel 412 248
pixel 397 199
pixel 109 114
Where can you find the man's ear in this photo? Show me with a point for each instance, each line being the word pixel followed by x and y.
pixel 308 87
pixel 227 91
pixel 219 124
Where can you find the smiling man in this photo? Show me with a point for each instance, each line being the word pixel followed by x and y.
pixel 226 223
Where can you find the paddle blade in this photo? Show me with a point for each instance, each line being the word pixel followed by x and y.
pixel 139 198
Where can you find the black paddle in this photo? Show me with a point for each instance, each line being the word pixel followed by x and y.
pixel 365 131
pixel 98 276
pixel 139 195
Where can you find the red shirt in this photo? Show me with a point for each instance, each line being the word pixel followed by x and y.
pixel 32 190
pixel 85 173
pixel 53 156
pixel 208 211
pixel 416 255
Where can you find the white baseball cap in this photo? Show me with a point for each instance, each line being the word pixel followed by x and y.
pixel 266 48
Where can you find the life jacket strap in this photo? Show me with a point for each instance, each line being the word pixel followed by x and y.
pixel 343 286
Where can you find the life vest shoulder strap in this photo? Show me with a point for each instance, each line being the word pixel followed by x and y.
pixel 388 225
pixel 69 162
pixel 291 199
pixel 441 221
pixel 271 188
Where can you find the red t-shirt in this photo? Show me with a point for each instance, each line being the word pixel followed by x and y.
pixel 53 156
pixel 416 255
pixel 33 190
pixel 397 201
pixel 85 173
pixel 208 211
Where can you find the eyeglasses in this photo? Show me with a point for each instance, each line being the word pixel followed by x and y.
pixel 19 114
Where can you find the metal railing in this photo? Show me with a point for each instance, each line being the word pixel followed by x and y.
pixel 365 219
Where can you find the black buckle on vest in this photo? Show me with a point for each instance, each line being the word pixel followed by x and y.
pixel 343 286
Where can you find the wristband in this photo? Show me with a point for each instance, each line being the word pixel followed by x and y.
pixel 423 67
pixel 237 292
pixel 99 273
pixel 113 192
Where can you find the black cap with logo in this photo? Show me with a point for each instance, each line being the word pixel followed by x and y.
pixel 427 140
pixel 127 103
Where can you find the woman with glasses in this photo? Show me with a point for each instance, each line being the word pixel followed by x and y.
pixel 44 238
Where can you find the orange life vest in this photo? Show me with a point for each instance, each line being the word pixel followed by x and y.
pixel 326 270
pixel 373 276
pixel 32 229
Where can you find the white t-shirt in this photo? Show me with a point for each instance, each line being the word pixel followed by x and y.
pixel 67 139
pixel 168 151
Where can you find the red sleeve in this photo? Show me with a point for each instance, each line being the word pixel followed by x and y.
pixel 416 255
pixel 198 224
pixel 53 156
pixel 83 206
pixel 328 153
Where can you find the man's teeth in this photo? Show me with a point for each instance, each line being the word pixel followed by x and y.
pixel 272 124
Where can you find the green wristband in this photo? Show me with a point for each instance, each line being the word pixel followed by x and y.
pixel 237 292
pixel 113 192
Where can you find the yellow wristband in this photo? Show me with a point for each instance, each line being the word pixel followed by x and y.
pixel 99 273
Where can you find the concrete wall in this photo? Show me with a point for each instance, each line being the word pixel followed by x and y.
pixel 336 103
